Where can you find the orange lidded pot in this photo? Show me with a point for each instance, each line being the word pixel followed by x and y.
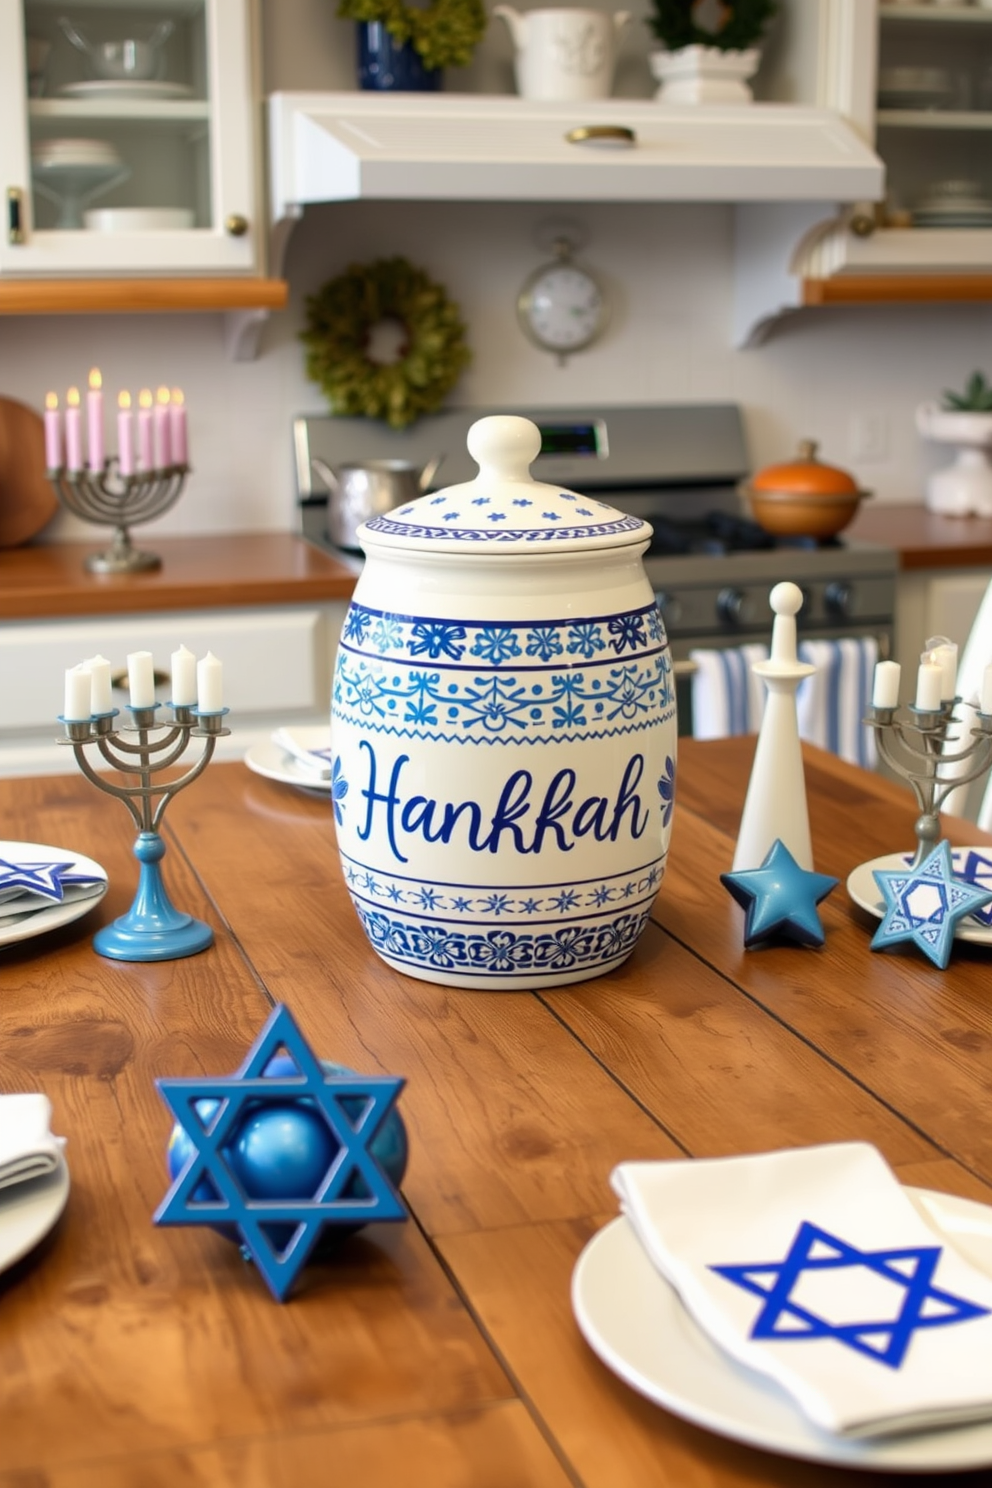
pixel 803 497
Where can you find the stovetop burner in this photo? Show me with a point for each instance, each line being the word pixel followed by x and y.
pixel 719 532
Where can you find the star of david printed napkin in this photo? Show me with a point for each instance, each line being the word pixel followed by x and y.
pixel 27 1147
pixel 814 1267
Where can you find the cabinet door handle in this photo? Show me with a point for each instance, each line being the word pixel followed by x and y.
pixel 236 225
pixel 15 221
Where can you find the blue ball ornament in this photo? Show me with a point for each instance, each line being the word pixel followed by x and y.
pixel 283 1149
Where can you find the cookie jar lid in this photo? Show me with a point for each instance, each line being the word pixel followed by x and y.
pixel 503 510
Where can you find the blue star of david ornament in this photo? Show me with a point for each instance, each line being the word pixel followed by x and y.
pixel 780 898
pixel 924 904
pixel 886 1341
pixel 284 1148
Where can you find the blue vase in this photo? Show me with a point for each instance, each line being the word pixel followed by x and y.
pixel 386 66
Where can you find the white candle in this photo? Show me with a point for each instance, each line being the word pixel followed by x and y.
pixel 209 684
pixel 53 433
pixel 73 430
pixel 928 680
pixel 945 655
pixel 177 423
pixel 125 435
pixel 184 678
pixel 146 453
pixel 94 420
pixel 77 695
pixel 101 700
pixel 141 679
pixel 163 432
pixel 885 693
pixel 986 703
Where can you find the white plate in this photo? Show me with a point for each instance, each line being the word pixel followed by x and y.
pixel 28 1211
pixel 125 88
pixel 975 927
pixel 274 763
pixel 13 927
pixel 635 1322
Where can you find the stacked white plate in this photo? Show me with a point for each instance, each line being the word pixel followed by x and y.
pixel 56 154
pixel 914 88
pixel 954 204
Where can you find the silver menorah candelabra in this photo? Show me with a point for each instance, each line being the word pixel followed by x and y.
pixel 122 501
pixel 918 744
pixel 153 929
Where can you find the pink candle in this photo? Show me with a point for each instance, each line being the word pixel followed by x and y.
pixel 177 411
pixel 73 430
pixel 146 458
pixel 163 439
pixel 53 433
pixel 125 435
pixel 94 420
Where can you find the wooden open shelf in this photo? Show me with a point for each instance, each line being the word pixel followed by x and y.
pixel 109 296
pixel 880 289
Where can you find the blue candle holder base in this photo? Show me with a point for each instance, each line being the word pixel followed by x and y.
pixel 153 929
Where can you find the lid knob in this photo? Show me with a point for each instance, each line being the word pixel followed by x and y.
pixel 504 446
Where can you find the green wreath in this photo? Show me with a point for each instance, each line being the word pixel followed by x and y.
pixel 445 33
pixel 340 318
pixel 744 22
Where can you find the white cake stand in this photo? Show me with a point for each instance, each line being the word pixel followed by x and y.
pixel 965 486
pixel 72 185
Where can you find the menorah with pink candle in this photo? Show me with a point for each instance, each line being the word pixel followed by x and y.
pixel 920 744
pixel 141 481
pixel 153 929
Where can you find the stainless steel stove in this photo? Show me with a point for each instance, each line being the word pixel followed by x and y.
pixel 677 466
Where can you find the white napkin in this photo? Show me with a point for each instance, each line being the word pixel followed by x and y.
pixel 862 1351
pixel 310 747
pixel 21 905
pixel 27 1147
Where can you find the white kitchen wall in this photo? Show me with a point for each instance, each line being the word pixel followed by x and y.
pixel 850 378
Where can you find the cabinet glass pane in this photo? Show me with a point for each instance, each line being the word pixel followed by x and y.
pixel 119 114
pixel 934 120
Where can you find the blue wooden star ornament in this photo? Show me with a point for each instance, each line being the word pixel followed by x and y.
pixel 280 1150
pixel 924 904
pixel 780 898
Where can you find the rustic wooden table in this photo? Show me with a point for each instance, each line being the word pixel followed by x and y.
pixel 443 1351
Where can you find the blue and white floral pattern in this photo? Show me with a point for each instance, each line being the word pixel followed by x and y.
pixel 499 952
pixel 431 840
pixel 381 634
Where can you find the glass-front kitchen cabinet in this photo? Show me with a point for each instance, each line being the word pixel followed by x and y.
pixel 927 107
pixel 127 138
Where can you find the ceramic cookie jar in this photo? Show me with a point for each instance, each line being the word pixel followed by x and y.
pixel 503 729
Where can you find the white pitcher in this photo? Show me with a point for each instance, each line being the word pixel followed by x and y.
pixel 564 54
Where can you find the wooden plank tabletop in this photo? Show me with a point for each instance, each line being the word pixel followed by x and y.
pixel 442 1351
pixel 46 580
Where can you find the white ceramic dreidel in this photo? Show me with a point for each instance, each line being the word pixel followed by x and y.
pixel 775 805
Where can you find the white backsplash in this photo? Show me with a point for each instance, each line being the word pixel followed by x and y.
pixel 849 377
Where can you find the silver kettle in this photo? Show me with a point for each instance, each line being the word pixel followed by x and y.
pixel 367 488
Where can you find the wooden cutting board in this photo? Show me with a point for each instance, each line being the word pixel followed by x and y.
pixel 27 500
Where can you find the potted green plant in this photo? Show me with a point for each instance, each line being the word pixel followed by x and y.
pixel 402 46
pixel 709 49
pixel 963 421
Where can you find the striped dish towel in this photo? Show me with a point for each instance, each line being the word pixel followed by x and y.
pixel 728 699
pixel 832 703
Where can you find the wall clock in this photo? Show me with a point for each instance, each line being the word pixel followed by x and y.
pixel 562 307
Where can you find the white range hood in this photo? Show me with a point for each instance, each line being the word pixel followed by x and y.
pixel 441 147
